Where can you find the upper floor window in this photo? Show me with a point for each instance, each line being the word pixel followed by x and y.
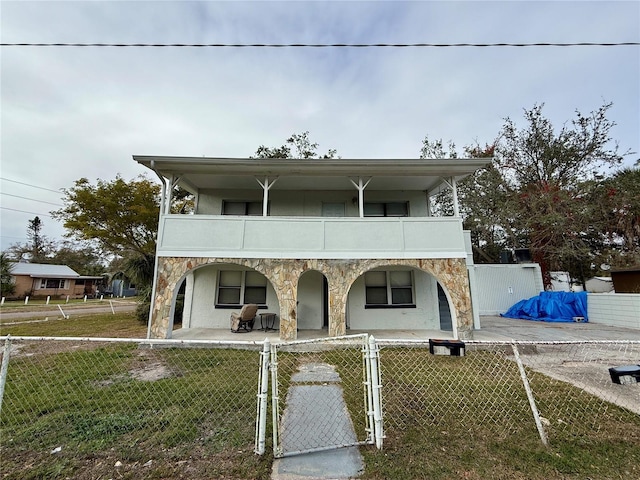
pixel 53 283
pixel 233 207
pixel 388 289
pixel 238 287
pixel 386 209
pixel 333 209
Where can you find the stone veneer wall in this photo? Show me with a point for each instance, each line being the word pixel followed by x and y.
pixel 284 274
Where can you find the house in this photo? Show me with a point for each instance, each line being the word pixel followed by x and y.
pixel 43 280
pixel 118 284
pixel 331 244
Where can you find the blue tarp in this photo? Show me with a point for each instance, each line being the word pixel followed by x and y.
pixel 551 307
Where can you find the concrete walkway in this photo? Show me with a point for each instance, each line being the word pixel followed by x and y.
pixel 315 418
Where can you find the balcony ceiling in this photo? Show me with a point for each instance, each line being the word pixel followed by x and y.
pixel 201 173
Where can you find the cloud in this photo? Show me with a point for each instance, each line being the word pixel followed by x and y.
pixel 83 112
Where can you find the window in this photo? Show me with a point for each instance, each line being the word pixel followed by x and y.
pixel 237 287
pixel 332 209
pixel 52 283
pixel 386 209
pixel 389 289
pixel 241 208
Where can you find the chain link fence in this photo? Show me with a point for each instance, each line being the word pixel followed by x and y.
pixel 483 393
pixel 320 395
pixel 92 396
pixel 98 395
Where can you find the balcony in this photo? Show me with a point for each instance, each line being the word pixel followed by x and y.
pixel 310 237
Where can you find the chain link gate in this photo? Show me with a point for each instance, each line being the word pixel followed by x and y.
pixel 322 395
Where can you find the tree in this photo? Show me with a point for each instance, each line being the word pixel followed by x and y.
pixel 545 173
pixel 37 249
pixel 296 146
pixel 8 287
pixel 480 196
pixel 34 235
pixel 544 191
pixel 120 217
pixel 617 202
pixel 83 259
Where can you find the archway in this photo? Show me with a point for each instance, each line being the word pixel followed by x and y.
pixel 394 297
pixel 444 310
pixel 313 301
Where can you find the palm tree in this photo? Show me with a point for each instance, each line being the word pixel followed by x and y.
pixel 8 286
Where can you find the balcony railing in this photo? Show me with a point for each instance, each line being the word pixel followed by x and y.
pixel 310 237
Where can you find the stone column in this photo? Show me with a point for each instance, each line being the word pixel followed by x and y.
pixel 452 274
pixel 284 276
pixel 340 274
pixel 162 301
pixel 170 270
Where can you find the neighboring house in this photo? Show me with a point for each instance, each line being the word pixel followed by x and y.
pixel 118 285
pixel 42 280
pixel 330 244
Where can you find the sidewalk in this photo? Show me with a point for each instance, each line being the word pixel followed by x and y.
pixel 315 399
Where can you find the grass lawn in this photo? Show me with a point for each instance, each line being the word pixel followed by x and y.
pixel 106 325
pixel 489 432
pixel 189 413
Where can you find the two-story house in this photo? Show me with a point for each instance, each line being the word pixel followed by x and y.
pixel 323 243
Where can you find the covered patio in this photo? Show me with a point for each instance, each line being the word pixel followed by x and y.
pixel 258 335
pixel 494 328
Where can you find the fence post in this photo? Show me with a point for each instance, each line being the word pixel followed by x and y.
pixel 263 388
pixel 275 401
pixel 368 392
pixel 5 367
pixel 532 400
pixel 62 312
pixel 375 390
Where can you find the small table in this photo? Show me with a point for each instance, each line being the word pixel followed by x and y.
pixel 267 320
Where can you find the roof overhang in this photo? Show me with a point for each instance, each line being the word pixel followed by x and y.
pixel 47 275
pixel 201 173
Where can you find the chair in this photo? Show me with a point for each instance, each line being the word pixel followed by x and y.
pixel 245 319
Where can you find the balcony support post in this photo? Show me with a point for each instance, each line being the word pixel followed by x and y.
pixel 361 185
pixel 454 188
pixel 266 186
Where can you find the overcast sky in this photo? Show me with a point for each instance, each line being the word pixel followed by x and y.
pixel 69 113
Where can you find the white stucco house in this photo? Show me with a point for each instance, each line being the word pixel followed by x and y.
pixel 325 244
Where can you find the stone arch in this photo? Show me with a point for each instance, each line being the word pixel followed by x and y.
pixel 283 275
pixel 450 273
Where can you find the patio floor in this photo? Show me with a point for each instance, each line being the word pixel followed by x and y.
pixel 493 328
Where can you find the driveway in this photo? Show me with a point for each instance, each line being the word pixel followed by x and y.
pixel 500 328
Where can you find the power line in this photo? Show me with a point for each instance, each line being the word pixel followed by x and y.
pixel 32 199
pixel 24 211
pixel 322 45
pixel 12 236
pixel 29 185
